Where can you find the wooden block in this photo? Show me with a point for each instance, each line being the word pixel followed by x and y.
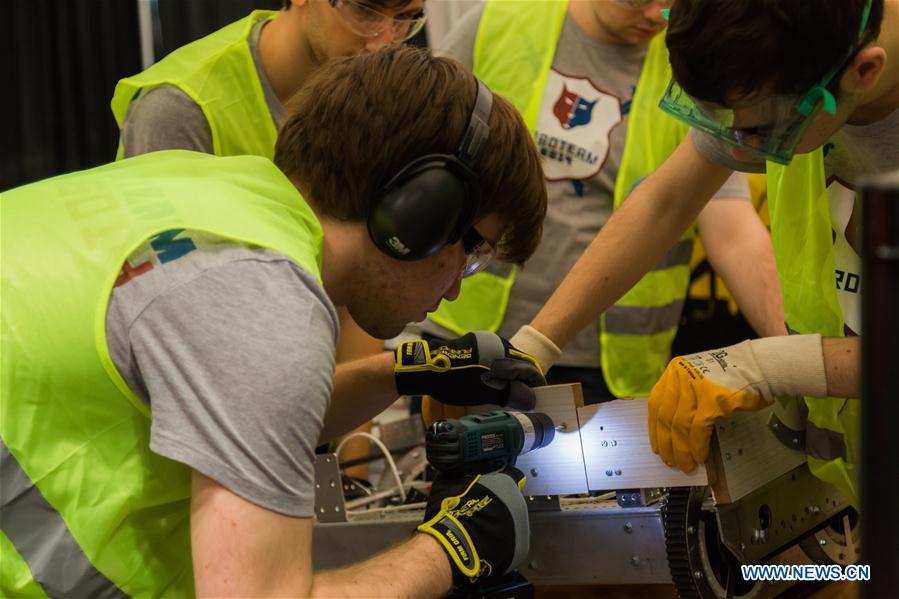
pixel 558 468
pixel 616 449
pixel 745 455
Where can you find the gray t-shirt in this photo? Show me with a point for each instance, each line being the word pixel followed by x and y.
pixel 165 118
pixel 233 349
pixel 580 133
pixel 853 151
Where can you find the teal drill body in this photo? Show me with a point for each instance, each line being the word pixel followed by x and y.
pixel 481 443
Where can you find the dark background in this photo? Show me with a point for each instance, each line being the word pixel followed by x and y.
pixel 63 59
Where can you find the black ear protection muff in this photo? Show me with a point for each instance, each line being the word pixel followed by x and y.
pixel 432 201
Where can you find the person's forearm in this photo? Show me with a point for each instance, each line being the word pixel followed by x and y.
pixel 739 249
pixel 416 568
pixel 652 219
pixel 842 361
pixel 362 389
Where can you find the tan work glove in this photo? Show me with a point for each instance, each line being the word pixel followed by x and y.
pixel 534 343
pixel 696 390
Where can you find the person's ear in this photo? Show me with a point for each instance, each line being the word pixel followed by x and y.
pixel 864 71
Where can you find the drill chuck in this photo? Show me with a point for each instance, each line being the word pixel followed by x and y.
pixel 538 429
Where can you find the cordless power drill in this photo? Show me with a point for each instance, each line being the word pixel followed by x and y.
pixel 483 443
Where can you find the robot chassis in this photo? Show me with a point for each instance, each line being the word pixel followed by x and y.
pixel 695 536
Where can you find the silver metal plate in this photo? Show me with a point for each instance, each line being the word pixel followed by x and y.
pixel 329 504
pixel 617 454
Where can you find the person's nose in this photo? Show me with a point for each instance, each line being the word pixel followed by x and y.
pixel 383 39
pixel 453 291
pixel 741 154
pixel 652 12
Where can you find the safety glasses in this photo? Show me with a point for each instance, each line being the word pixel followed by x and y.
pixel 769 129
pixel 478 252
pixel 365 21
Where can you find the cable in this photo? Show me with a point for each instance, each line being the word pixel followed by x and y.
pixel 384 450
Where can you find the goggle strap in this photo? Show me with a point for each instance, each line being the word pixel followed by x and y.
pixel 817 93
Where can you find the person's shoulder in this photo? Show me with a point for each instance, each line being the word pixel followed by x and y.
pixel 165 118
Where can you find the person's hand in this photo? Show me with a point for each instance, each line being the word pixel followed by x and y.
pixel 696 390
pixel 481 521
pixel 477 368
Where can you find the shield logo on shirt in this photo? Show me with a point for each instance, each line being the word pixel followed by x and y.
pixel 573 127
pixel 573 110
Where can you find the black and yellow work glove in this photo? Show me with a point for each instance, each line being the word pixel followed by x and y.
pixel 477 368
pixel 481 521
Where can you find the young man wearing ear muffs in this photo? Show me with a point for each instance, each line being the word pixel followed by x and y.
pixel 225 93
pixel 169 326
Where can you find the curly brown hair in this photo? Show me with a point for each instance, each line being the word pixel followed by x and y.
pixel 360 119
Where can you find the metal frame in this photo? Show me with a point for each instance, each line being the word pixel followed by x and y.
pixel 584 541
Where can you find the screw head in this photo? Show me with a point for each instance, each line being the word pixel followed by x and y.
pixel 608 473
pixel 697 574
pixel 534 472
pixel 618 472
pixel 628 527
pixel 635 560
pixel 691 530
pixel 822 542
pixel 532 564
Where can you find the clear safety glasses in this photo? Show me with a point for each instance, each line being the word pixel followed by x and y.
pixel 368 22
pixel 768 129
pixel 478 252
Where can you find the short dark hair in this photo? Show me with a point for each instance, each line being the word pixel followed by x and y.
pixel 359 119
pixel 723 47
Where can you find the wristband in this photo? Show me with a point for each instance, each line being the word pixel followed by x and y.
pixel 792 364
pixel 530 340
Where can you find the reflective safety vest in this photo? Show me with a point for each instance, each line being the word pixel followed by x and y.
pixel 513 54
pixel 802 235
pixel 87 508
pixel 218 73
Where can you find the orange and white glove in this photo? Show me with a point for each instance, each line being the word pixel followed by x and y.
pixel 696 390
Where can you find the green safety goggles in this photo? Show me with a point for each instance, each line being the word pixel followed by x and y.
pixel 768 129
